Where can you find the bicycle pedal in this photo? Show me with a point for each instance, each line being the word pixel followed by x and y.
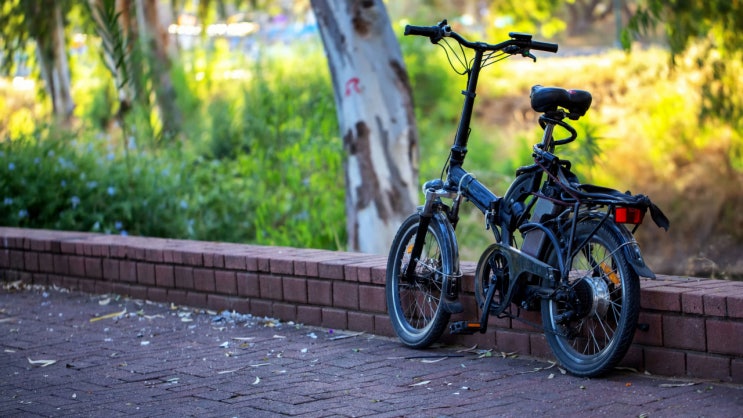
pixel 465 327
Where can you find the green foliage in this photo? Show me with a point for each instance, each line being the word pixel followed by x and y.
pixel 262 164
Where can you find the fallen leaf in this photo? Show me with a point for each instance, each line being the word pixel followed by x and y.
pixel 104 302
pixel 109 316
pixel 257 380
pixel 422 383
pixel 11 319
pixel 225 344
pixel 468 350
pixel 278 336
pixel 344 336
pixel 551 376
pixel 243 338
pixel 676 385
pixel 41 363
pixel 434 360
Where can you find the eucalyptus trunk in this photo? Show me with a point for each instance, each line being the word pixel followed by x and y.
pixel 375 114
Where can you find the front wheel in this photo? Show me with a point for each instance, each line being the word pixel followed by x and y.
pixel 415 305
pixel 590 323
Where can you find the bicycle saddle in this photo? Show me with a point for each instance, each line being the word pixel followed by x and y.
pixel 547 99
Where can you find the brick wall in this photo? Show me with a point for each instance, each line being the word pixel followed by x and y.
pixel 695 326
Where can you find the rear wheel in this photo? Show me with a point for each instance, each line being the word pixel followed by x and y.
pixel 590 324
pixel 415 305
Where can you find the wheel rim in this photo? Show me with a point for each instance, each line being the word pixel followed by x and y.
pixel 597 293
pixel 419 299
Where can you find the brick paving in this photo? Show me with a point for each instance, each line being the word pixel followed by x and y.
pixel 111 356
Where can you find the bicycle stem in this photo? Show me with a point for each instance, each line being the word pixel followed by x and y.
pixel 459 149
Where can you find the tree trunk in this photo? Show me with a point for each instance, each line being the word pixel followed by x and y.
pixel 55 68
pixel 375 114
pixel 160 65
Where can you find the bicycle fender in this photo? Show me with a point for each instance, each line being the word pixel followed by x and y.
pixel 628 245
pixel 449 250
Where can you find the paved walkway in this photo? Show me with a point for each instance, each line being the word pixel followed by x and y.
pixel 73 354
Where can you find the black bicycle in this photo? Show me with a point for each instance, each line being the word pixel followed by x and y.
pixel 561 247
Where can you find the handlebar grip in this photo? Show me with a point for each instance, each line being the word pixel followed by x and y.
pixel 427 31
pixel 544 46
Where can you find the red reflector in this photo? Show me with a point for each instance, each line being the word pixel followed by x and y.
pixel 628 215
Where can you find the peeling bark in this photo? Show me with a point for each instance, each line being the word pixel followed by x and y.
pixel 375 114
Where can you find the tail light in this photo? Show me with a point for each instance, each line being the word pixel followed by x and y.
pixel 625 215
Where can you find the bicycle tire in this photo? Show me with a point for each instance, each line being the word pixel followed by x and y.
pixel 598 339
pixel 415 307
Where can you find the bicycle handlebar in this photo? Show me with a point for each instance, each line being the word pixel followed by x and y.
pixel 520 40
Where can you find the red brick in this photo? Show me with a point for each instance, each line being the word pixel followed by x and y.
pixel 31 261
pixel 177 296
pixel 157 294
pixel 164 275
pixel 725 337
pixel 372 299
pixel 654 334
pixel 684 332
pixel 735 305
pixel 189 257
pixel 334 318
pixel 213 260
pixel 241 305
pixel 225 282
pixel 309 315
pixel 196 299
pixel 345 295
pixel 86 286
pixel 110 269
pixel 319 292
pixel 102 287
pixel 633 358
pixel 234 261
pixel 736 370
pixel 4 258
pixel 360 321
pixel 383 326
pixel 270 287
pixel 534 319
pixel 93 268
pixel 707 366
pixel 128 271
pixel 281 266
pixel 331 269
pixel 693 302
pixel 77 266
pixel 295 289
pixel 665 361
pixel 538 346
pixel 300 268
pixel 247 285
pixel 183 277
pixel 138 292
pixel 146 274
pixel 259 307
pixel 379 275
pixel 61 264
pixel 663 298
pixel 285 312
pixel 218 302
pixel 511 341
pixel 263 263
pixel 715 303
pixel 203 279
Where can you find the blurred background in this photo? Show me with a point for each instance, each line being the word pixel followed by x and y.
pixel 215 120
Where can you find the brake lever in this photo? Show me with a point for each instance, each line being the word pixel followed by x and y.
pixel 526 53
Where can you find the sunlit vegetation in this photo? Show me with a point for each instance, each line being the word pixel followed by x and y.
pixel 259 158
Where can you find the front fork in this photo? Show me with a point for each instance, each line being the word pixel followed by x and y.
pixel 427 213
